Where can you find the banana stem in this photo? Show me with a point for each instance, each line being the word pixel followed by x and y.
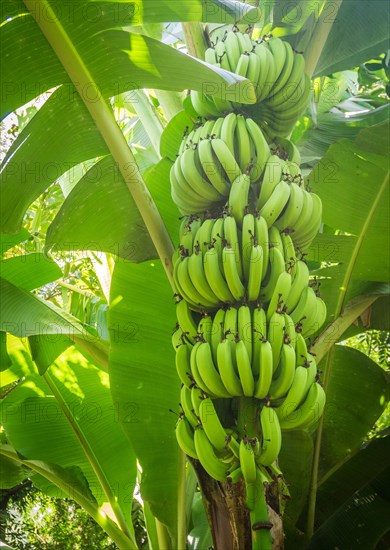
pixel 195 39
pixel 103 117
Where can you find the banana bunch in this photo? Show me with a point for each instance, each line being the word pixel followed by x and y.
pixel 278 74
pixel 245 301
pixel 211 157
pixel 227 165
pixel 243 351
pixel 218 264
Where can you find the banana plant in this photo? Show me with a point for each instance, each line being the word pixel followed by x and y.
pixel 88 379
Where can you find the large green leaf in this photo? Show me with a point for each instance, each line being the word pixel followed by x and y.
pixel 200 535
pixel 68 420
pixel 173 134
pixel 354 187
pixel 143 378
pixel 354 32
pixel 349 170
pixel 11 472
pixel 358 471
pixel 30 271
pixel 90 25
pixel 24 314
pixel 359 32
pixel 62 133
pixel 101 200
pixel 8 241
pixel 360 523
pixel 356 397
pixel 314 139
pixel 295 461
pixel 100 214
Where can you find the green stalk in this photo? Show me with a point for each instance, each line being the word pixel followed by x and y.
pixel 91 458
pixel 164 541
pixel 319 37
pixel 195 39
pixel 77 289
pixel 103 117
pixel 151 528
pixel 329 359
pixel 181 503
pixel 109 526
pixel 148 115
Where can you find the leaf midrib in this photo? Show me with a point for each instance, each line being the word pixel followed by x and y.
pixel 90 455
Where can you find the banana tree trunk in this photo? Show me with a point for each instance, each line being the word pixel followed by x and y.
pixel 228 516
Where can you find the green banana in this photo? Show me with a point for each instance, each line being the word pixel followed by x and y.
pixel 231 237
pixel 299 283
pixel 275 334
pixel 212 424
pixel 247 461
pixel 255 272
pixel 239 197
pixel 261 147
pixel 261 234
pixel 207 457
pixel 226 368
pixel 232 49
pixel 217 333
pixel 205 328
pixel 215 277
pixel 276 267
pixel 188 287
pixel 265 369
pixel 271 436
pixel 243 145
pixel 232 276
pixel 185 319
pixel 182 362
pixel 280 293
pixel 248 234
pixel 284 373
pixel 197 396
pixel 244 369
pixel 275 204
pixel 231 324
pixel 309 412
pixel 295 394
pixel 244 322
pixel 208 372
pixel 195 372
pixel 226 159
pixel 228 131
pixel 198 278
pixel 186 405
pixel 212 168
pixel 273 174
pixel 185 438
